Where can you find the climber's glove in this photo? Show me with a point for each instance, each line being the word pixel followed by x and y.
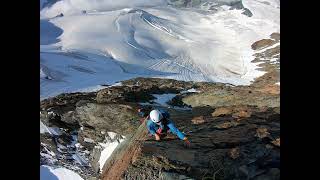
pixel 186 142
pixel 157 136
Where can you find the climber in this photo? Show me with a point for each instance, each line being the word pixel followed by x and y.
pixel 159 124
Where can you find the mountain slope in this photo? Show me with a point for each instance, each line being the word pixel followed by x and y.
pixel 85 44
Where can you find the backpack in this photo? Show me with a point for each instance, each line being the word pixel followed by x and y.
pixel 165 114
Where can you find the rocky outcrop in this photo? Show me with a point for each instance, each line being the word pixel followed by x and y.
pixel 85 118
pixel 219 148
pixel 96 118
pixel 275 36
pixel 210 5
pixel 262 44
pixel 263 92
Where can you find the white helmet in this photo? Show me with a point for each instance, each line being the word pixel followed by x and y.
pixel 155 116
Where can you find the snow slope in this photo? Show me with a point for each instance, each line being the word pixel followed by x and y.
pixel 50 173
pixel 117 40
pixel 109 146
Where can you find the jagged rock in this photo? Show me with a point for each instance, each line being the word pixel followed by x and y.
pixel 159 86
pixel 198 120
pixel 124 93
pixel 222 111
pixel 140 90
pixel 241 114
pixel 272 52
pixel 82 103
pixel 275 36
pixel 247 12
pixel 232 96
pixel 227 125
pixel 170 154
pixel 234 153
pixel 64 139
pixel 112 94
pixel 94 158
pixel 235 111
pixel 262 133
pixel 65 122
pixel 68 118
pixel 262 44
pixel 118 118
pixel 65 102
pixel 276 142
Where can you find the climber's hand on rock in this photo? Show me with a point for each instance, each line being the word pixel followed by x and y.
pixel 157 137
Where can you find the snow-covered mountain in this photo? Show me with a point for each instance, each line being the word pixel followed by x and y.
pixel 87 43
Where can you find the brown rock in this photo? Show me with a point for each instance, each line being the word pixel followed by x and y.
pixel 275 36
pixel 262 133
pixel 262 44
pixel 263 109
pixel 242 114
pixel 202 111
pixel 110 94
pixel 234 153
pixel 276 142
pixel 256 60
pixel 198 120
pixel 227 125
pixel 221 112
pixel 272 52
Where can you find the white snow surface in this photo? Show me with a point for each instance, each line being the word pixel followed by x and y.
pixel 108 147
pixel 192 90
pixel 50 173
pixel 112 135
pixel 118 40
pixel 88 140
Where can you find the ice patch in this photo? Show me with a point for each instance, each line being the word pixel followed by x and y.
pixel 51 130
pixel 162 99
pixel 44 128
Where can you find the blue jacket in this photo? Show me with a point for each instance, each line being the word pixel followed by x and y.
pixel 153 127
